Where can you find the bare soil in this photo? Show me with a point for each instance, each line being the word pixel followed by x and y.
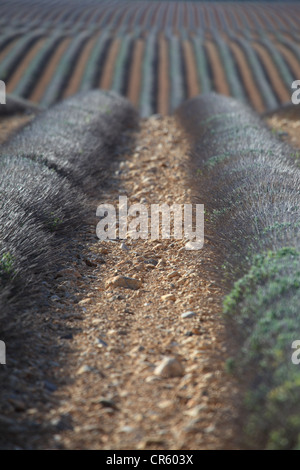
pixel 134 86
pixel 191 70
pixel 219 76
pixel 108 69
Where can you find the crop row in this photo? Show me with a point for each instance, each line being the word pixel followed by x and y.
pixel 249 184
pixel 126 15
pixel 257 69
pixel 47 172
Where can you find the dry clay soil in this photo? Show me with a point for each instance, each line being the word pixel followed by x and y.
pixel 97 384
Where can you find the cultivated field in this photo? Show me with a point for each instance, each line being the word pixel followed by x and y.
pixel 155 53
pixel 134 342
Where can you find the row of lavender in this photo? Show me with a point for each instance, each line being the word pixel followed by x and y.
pixel 123 16
pixel 48 171
pixel 249 183
pixel 286 62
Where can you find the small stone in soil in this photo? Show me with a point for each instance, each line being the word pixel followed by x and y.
pixel 123 281
pixel 168 297
pixel 169 367
pixel 83 369
pixel 188 314
pixel 101 343
pixel 108 403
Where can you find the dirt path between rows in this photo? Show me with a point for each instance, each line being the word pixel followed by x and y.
pixel 275 79
pixel 191 69
pixel 76 78
pixel 52 65
pixel 247 76
pixel 80 372
pixel 23 65
pixel 96 384
pixel 219 76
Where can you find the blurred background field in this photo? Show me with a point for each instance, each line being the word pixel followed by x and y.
pixel 157 53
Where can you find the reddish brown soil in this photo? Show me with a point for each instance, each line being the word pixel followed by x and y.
pixel 275 79
pixel 191 69
pixel 49 71
pixel 75 81
pixel 248 80
pixel 219 77
pixel 290 58
pixel 198 10
pixel 7 49
pixel 23 65
pixel 134 87
pixel 288 120
pixel 108 69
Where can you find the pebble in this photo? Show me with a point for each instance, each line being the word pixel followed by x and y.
pixel 106 403
pixel 168 297
pixel 101 343
pixel 83 369
pixel 173 274
pixel 68 272
pixel 196 411
pixel 123 281
pixel 124 247
pixel 169 367
pixel 103 251
pixel 166 404
pixel 188 314
pixel 152 378
pixel 191 246
pixel 151 261
pixel 85 301
pixel 209 429
pixel 127 429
